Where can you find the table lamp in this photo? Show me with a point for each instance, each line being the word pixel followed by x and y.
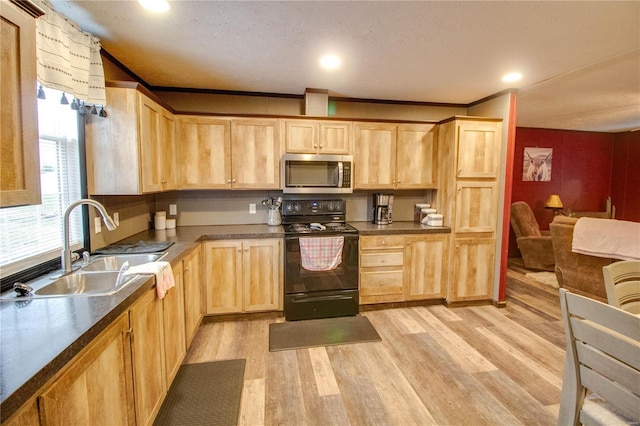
pixel 554 203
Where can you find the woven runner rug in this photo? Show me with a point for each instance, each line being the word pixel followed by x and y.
pixel 207 393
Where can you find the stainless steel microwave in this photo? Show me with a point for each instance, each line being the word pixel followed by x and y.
pixel 317 174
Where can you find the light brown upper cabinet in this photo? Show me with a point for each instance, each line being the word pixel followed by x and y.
pixel 204 152
pixel 375 155
pixel 228 153
pixel 255 153
pixel 20 171
pixel 478 150
pixel 158 147
pixel 317 137
pixel 392 156
pixel 132 150
pixel 416 156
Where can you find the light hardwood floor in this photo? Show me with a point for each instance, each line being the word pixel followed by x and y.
pixel 435 365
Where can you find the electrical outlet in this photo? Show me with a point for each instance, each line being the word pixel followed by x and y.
pixel 252 208
pixel 116 218
pixel 97 225
pixel 173 209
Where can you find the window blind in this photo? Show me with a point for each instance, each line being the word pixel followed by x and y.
pixel 31 235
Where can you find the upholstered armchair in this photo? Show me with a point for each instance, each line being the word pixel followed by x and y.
pixel 535 246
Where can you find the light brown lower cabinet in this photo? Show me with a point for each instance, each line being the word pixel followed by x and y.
pixel 173 326
pixel 147 344
pixel 381 269
pixel 426 266
pixel 96 387
pixel 27 415
pixel 193 299
pixel 471 274
pixel 396 268
pixel 243 275
pixel 123 375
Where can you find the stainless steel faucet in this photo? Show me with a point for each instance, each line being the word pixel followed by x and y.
pixel 66 250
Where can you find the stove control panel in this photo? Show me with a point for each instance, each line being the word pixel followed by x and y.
pixel 312 207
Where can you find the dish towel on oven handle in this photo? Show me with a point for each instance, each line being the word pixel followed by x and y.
pixel 321 253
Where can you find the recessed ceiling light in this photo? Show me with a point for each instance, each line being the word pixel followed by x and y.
pixel 512 77
pixel 155 5
pixel 330 62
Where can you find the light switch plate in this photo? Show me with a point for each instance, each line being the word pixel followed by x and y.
pixel 173 209
pixel 97 225
pixel 116 218
pixel 252 208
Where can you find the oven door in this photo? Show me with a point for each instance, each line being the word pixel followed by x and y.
pixel 298 280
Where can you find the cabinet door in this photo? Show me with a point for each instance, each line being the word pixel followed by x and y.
pixel 426 267
pixel 169 173
pixel 472 269
pixel 20 171
pixel 262 274
pixel 223 276
pixel 416 157
pixel 375 156
pixel 301 136
pixel 335 137
pixel 255 154
pixel 192 294
pixel 478 150
pixel 95 388
pixel 475 207
pixel 151 155
pixel 175 347
pixel 113 148
pixel 204 152
pixel 147 345
pixel 27 415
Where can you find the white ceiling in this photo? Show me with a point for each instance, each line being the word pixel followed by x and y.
pixel 580 59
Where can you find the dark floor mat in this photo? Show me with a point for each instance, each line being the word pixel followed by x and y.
pixel 204 394
pixel 321 332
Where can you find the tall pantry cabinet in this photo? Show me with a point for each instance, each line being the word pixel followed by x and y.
pixel 469 158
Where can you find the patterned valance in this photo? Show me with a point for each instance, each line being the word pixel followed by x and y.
pixel 68 58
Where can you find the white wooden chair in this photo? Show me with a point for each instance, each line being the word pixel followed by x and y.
pixel 603 357
pixel 622 282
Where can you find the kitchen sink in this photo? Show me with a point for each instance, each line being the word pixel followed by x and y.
pixel 79 284
pixel 115 262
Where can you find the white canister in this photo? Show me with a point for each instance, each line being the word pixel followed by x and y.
pixel 160 220
pixel 171 223
pixel 434 219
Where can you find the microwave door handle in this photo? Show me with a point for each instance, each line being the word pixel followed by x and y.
pixel 340 174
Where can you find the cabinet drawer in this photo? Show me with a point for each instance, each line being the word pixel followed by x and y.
pixel 368 260
pixel 381 242
pixel 378 283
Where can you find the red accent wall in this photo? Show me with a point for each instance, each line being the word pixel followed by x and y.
pixel 586 168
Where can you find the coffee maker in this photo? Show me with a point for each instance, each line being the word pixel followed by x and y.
pixel 382 208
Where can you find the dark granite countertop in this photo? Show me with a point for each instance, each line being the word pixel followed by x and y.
pixel 368 228
pixel 39 336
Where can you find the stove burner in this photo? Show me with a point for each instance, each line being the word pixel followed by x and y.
pixel 305 228
pixel 300 228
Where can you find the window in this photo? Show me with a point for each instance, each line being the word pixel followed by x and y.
pixel 32 235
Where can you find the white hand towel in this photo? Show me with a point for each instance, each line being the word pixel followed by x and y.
pixel 162 271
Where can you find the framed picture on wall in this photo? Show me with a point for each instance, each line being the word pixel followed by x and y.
pixel 537 164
